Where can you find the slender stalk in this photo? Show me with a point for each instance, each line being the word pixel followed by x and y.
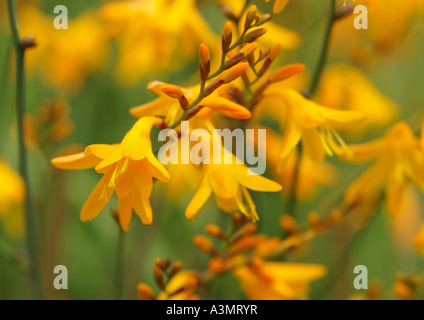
pixel 292 200
pixel 119 267
pixel 31 234
pixel 323 56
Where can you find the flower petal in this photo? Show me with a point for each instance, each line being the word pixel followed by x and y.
pixel 202 195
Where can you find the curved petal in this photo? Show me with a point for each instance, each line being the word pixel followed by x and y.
pixel 76 161
pixel 202 195
pixel 226 107
pixel 125 212
pixel 255 182
pixel 291 138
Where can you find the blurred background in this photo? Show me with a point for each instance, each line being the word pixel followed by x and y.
pixel 82 82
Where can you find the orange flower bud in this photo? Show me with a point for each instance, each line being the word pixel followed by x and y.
pixel 158 274
pixel 247 229
pixel 204 244
pixel 227 36
pixel 288 223
pixel 228 12
pixel 213 86
pixel 205 61
pixel 215 231
pixel 274 52
pixel 173 91
pixel 286 72
pixel 263 19
pixel 145 292
pixel 313 218
pixel 234 72
pixel 249 48
pixel 175 269
pixel 217 265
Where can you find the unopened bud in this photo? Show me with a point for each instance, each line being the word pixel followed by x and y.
pixel 29 42
pixel 215 231
pixel 249 48
pixel 265 67
pixel 250 17
pixel 234 72
pixel 263 19
pixel 212 87
pixel 286 72
pixel 227 36
pixel 229 13
pixel 204 244
pixel 175 269
pixel 288 223
pixel 247 229
pixel 274 52
pixel 255 34
pixel 205 61
pixel 145 292
pixel 172 91
pixel 158 275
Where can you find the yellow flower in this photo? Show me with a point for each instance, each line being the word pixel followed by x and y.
pixel 308 122
pixel 154 35
pixel 12 197
pixel 398 161
pixel 64 57
pixel 347 88
pixel 182 286
pixel 128 168
pixel 312 175
pixel 229 183
pixel 419 241
pixel 277 281
pixel 170 108
pixel 279 5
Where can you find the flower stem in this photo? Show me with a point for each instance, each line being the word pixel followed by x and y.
pixel 323 56
pixel 119 267
pixel 31 234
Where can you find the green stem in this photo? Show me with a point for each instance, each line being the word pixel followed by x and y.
pixel 31 234
pixel 119 267
pixel 14 257
pixel 292 198
pixel 323 55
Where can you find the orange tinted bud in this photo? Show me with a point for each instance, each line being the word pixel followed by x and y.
pixel 243 245
pixel 213 86
pixel 250 17
pixel 288 223
pixel 216 265
pixel 234 72
pixel 158 275
pixel 204 59
pixel 244 231
pixel 145 292
pixel 249 48
pixel 173 91
pixel 286 72
pixel 313 218
pixel 255 34
pixel 204 244
pixel 215 231
pixel 227 36
pixel 175 269
pixel 228 12
pixel 274 52
pixel 263 19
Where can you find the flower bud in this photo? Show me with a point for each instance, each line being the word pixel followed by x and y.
pixel 212 87
pixel 172 91
pixel 250 17
pixel 158 274
pixel 205 61
pixel 227 37
pixel 286 72
pixel 229 13
pixel 145 292
pixel 274 52
pixel 204 244
pixel 175 269
pixel 234 72
pixel 263 19
pixel 255 34
pixel 288 223
pixel 249 48
pixel 215 231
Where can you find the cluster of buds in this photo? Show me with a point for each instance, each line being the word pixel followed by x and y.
pixel 172 282
pixel 409 287
pixel 242 245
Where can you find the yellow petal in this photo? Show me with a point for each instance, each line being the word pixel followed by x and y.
pixel 279 5
pixel 255 182
pixel 226 107
pixel 342 117
pixel 202 195
pixel 76 161
pixel 312 145
pixel 291 138
pixel 364 152
pixel 156 168
pixel 395 194
pixel 98 199
pixel 125 212
pixel 295 272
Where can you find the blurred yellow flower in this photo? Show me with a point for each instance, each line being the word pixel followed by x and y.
pixel 347 88
pixel 64 57
pixel 128 167
pixel 229 183
pixel 154 35
pixel 279 5
pixel 398 161
pixel 312 175
pixel 12 197
pixel 305 121
pixel 276 280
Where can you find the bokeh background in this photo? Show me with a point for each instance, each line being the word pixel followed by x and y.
pixel 390 55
